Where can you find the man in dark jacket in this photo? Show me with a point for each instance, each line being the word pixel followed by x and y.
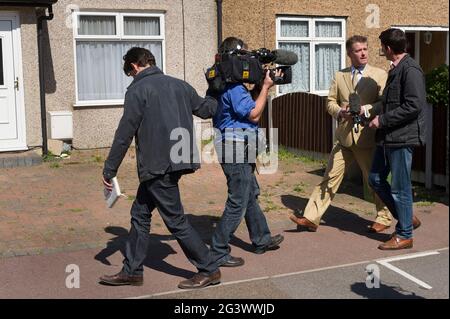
pixel 400 127
pixel 157 111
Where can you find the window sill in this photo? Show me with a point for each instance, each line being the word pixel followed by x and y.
pixel 98 103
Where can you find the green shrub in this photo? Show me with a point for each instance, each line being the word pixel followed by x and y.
pixel 437 86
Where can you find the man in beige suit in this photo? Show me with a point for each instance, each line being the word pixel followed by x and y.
pixel 353 142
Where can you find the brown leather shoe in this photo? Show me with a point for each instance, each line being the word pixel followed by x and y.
pixel 200 281
pixel 121 279
pixel 376 228
pixel 302 221
pixel 396 243
pixel 416 224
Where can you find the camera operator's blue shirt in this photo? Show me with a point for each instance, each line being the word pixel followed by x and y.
pixel 233 110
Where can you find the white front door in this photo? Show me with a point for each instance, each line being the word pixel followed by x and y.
pixel 12 117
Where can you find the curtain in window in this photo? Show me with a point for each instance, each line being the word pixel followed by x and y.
pixel 141 26
pixel 326 29
pixel 300 71
pixel 328 61
pixel 100 68
pixel 294 28
pixel 97 25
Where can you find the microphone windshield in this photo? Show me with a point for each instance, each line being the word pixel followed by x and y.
pixel 355 102
pixel 285 57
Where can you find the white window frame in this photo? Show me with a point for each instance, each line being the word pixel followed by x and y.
pixel 119 36
pixel 312 40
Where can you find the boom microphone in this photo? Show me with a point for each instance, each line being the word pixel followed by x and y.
pixel 285 57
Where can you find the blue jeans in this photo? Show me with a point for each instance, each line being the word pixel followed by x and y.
pixel 243 191
pixel 397 196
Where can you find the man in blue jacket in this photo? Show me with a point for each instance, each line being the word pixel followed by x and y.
pixel 400 127
pixel 236 121
pixel 156 106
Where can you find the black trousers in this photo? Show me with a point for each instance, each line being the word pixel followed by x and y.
pixel 163 193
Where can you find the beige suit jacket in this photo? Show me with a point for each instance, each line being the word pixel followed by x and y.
pixel 370 88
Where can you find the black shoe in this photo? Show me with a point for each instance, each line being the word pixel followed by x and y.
pixel 275 241
pixel 233 262
pixel 201 280
pixel 121 279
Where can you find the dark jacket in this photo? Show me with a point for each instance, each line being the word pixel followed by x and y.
pixel 404 98
pixel 158 113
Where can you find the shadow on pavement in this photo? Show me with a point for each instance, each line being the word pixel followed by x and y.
pixel 383 292
pixel 205 226
pixel 158 251
pixel 336 217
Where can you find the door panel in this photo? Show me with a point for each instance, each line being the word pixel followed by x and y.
pixel 11 116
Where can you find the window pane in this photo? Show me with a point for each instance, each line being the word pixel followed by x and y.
pixel 2 81
pixel 294 28
pixel 97 25
pixel 328 61
pixel 100 68
pixel 328 29
pixel 300 71
pixel 141 26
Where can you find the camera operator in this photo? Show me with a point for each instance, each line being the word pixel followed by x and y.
pixel 360 83
pixel 237 121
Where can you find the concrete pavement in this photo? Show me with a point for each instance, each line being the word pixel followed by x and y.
pixel 44 276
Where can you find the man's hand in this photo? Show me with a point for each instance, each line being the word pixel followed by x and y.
pixel 362 111
pixel 261 100
pixel 268 82
pixel 344 114
pixel 107 184
pixel 375 123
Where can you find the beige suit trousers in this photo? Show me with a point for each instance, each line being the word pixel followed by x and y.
pixel 325 191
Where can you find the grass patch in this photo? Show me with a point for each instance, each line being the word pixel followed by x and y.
pixel 76 210
pixel 97 158
pixel 52 159
pixel 300 187
pixel 54 165
pixel 49 157
pixel 131 197
pixel 427 197
pixel 424 204
pixel 270 207
pixel 206 142
pixel 265 194
pixel 285 155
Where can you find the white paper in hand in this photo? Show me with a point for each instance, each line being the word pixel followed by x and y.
pixel 112 196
